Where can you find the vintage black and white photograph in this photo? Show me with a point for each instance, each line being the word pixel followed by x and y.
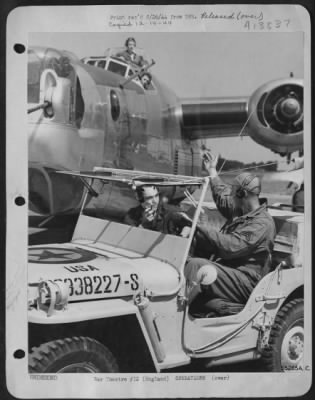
pixel 165 245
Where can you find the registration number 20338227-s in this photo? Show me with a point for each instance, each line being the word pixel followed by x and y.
pixel 100 284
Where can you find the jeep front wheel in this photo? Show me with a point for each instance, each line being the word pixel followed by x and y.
pixel 70 355
pixel 286 343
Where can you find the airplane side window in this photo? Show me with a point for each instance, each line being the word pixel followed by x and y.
pixel 115 105
pixel 79 105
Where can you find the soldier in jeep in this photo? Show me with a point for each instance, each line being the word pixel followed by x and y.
pixel 153 212
pixel 242 248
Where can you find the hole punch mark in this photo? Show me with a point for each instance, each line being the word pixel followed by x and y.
pixel 19 201
pixel 19 48
pixel 19 354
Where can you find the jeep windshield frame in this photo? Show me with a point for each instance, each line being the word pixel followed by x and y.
pixel 165 247
pixel 134 179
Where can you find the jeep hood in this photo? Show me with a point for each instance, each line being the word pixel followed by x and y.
pixel 92 274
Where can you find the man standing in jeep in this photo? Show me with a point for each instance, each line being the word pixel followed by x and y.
pixel 241 249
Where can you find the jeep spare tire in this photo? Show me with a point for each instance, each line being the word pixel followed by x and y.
pixel 286 343
pixel 72 355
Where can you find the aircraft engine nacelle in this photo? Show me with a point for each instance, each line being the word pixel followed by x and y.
pixel 275 113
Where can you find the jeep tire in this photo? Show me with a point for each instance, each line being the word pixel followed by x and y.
pixel 286 342
pixel 69 355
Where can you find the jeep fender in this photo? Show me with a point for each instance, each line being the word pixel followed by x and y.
pixel 93 310
pixel 273 291
pixel 275 287
pixel 84 311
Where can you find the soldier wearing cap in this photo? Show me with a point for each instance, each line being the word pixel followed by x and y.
pixel 242 248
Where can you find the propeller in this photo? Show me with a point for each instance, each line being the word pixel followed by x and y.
pixel 282 109
pixel 276 110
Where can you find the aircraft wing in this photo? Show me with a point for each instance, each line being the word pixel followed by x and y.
pixel 272 116
pixel 210 118
pixel 295 176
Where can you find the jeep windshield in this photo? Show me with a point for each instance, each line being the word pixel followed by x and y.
pixel 113 194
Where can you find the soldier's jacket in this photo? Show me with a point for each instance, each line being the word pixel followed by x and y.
pixel 134 58
pixel 245 241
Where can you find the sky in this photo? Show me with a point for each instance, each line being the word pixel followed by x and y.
pixel 203 64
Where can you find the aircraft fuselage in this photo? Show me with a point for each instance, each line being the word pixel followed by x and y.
pixel 95 122
pixel 82 116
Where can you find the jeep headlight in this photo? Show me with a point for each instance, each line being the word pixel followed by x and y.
pixel 52 296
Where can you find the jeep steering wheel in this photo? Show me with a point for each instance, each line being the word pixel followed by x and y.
pixel 175 222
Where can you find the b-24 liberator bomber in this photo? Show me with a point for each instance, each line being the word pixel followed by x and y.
pixel 83 113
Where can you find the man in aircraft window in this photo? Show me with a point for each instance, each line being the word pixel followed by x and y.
pixel 152 212
pixel 146 79
pixel 129 53
pixel 241 249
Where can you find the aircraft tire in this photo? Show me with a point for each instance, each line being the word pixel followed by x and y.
pixel 69 355
pixel 286 342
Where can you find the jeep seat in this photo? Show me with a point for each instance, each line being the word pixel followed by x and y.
pixel 285 241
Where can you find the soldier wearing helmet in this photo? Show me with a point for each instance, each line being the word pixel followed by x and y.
pixel 242 248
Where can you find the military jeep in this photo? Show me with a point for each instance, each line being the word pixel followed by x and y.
pixel 116 298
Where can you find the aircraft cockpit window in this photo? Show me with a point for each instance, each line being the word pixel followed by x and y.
pixel 117 68
pixel 91 62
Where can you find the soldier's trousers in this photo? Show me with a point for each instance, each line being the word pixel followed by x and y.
pixel 232 286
